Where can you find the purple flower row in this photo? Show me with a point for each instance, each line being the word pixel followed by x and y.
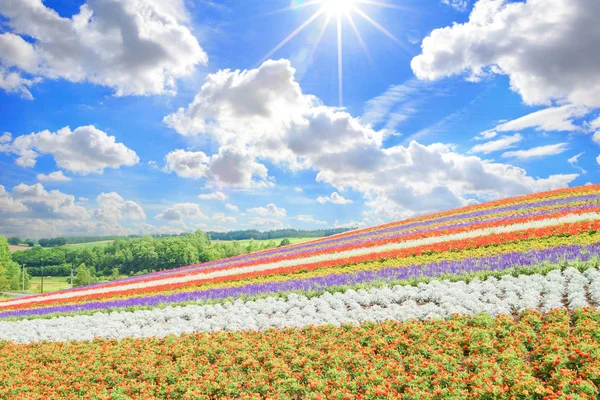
pixel 358 240
pixel 570 253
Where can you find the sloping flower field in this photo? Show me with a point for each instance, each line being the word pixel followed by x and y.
pixel 497 300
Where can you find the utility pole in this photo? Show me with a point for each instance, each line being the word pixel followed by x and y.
pixel 42 286
pixel 24 277
pixel 71 278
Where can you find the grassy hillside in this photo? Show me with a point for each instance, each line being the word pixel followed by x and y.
pixel 496 300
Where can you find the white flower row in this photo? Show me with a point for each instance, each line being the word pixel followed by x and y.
pixel 311 259
pixel 436 299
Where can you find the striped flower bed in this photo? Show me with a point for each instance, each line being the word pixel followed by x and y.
pixel 352 257
pixel 496 300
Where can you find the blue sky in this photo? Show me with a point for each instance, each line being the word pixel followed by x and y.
pixel 124 117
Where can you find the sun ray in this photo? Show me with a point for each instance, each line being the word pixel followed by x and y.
pixel 385 5
pixel 292 8
pixel 378 26
pixel 339 56
pixel 320 37
pixel 294 33
pixel 359 37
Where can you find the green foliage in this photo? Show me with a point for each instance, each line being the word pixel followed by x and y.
pixel 60 241
pixel 114 275
pixel 14 240
pixel 284 242
pixel 11 277
pixel 134 256
pixel 83 276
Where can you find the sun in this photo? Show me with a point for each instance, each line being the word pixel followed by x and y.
pixel 338 12
pixel 337 7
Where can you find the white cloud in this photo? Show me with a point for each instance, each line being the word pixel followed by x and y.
pixel 574 162
pixel 222 218
pixel 335 198
pixel 270 210
pixel 486 135
pixel 6 137
pixel 84 150
pixel 182 211
pixel 267 223
pixel 460 5
pixel 598 159
pixel 596 137
pixel 503 143
pixel 56 176
pixel 12 82
pixel 397 104
pixel 548 120
pixel 214 196
pixel 52 204
pixel 537 152
pixel 264 112
pixel 349 224
pixel 187 164
pixel 229 167
pixel 33 211
pixel 112 207
pixel 310 220
pixel 8 205
pixel 298 189
pixel 548 49
pixel 135 47
pixel 232 207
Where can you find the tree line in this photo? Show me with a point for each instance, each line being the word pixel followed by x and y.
pixel 131 256
pixel 231 235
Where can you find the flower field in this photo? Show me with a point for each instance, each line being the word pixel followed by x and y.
pixel 496 300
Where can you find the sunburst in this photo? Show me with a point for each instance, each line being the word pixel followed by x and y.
pixel 339 11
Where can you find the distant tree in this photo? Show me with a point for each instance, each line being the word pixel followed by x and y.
pixel 11 273
pixel 5 259
pixel 285 242
pixel 83 276
pixel 14 240
pixel 29 242
pixel 114 275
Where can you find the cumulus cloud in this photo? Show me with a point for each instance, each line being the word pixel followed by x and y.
pixel 309 219
pixel 503 143
pixel 134 47
pixel 13 82
pixel 214 196
pixel 232 207
pixel 264 112
pixel 547 48
pixel 6 137
pixel 270 210
pixel 460 5
pixel 33 211
pixel 266 223
pixel 181 212
pixel 229 167
pixel 85 150
pixel 112 207
pixel 335 198
pixel 56 176
pixel 537 152
pixel 222 218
